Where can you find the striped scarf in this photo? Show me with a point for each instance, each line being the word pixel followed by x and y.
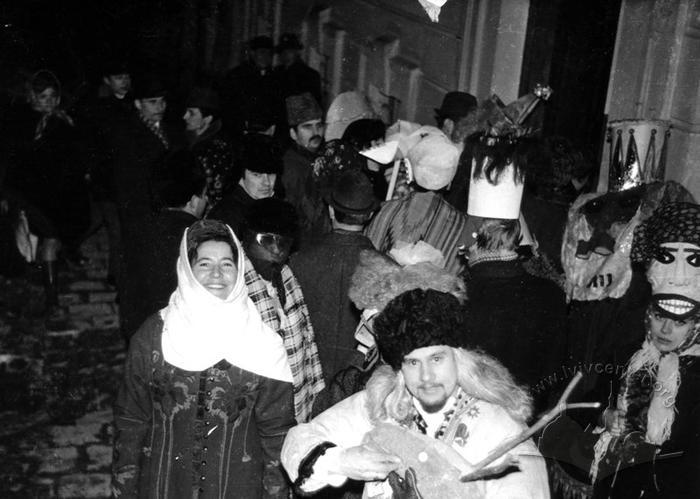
pixel 422 216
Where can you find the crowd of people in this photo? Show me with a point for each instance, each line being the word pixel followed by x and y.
pixel 323 303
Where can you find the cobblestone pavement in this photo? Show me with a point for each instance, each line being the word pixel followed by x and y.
pixel 58 377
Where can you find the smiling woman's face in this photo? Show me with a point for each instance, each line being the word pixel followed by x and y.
pixel 214 268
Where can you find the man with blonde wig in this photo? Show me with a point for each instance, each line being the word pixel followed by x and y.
pixel 425 418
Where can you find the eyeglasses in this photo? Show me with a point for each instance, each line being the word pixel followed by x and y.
pixel 270 239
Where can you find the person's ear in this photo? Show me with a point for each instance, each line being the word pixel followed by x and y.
pixel 293 133
pixel 207 121
pixel 105 79
pixel 448 126
pixel 137 104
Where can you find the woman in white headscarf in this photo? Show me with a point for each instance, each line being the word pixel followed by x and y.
pixel 207 395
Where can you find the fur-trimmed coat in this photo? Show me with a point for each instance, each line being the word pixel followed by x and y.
pixel 485 425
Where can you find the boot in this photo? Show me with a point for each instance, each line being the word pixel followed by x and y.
pixel 51 284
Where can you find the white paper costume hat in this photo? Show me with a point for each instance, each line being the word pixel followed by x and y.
pixel 433 157
pixel 499 156
pixel 346 108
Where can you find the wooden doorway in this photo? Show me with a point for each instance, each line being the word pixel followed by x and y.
pixel 569 46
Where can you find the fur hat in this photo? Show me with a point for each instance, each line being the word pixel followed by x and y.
pixel 260 153
pixel 378 279
pixel 416 319
pixel 302 108
pixel 271 215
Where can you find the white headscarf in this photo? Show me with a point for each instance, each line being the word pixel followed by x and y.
pixel 200 329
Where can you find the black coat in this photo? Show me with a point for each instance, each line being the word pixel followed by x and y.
pixel 521 320
pixel 246 92
pixel 231 209
pixel 97 120
pixel 298 78
pixel 157 260
pixel 324 269
pixel 138 152
pixel 669 471
pixel 47 172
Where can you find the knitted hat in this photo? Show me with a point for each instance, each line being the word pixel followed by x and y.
pixel 417 319
pixel 346 108
pixel 433 159
pixel 302 108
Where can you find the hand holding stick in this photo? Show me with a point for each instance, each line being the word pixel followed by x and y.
pixel 500 450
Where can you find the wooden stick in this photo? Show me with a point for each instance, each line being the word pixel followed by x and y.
pixel 516 440
pixel 392 182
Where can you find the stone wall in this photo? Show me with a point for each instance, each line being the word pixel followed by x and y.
pixel 656 76
pixel 405 62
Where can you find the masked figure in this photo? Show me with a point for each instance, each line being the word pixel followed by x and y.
pixel 651 444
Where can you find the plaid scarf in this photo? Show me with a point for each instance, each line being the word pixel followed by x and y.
pixel 292 323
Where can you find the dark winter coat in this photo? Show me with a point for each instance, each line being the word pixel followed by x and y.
pixel 671 470
pixel 300 190
pixel 246 91
pixel 181 434
pixel 47 171
pixel 521 320
pixel 96 121
pixel 158 258
pixel 298 78
pixel 324 269
pixel 231 209
pixel 137 152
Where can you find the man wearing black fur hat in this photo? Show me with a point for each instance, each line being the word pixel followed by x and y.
pixel 259 160
pixel 268 233
pixel 434 411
